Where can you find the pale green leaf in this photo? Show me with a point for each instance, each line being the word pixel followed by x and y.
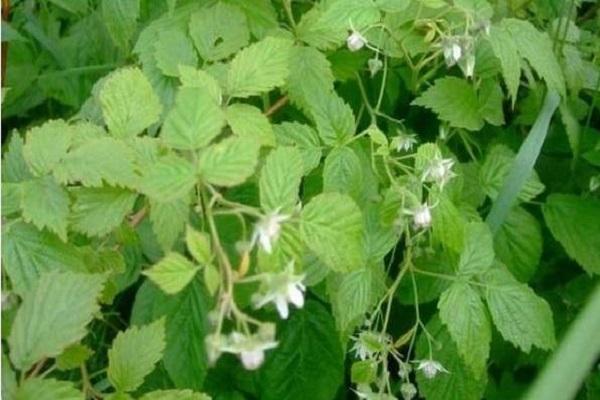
pixel 304 138
pixel 134 353
pixel 11 198
pixel 310 76
pixel 229 162
pixel 194 121
pixel 46 204
pixel 453 100
pixel 52 316
pixel 46 145
pixel 448 224
pixel 192 77
pixel 518 244
pixel 249 121
pixel 280 179
pixel 129 104
pixel 219 31
pixel 334 119
pixel 392 5
pixel 478 251
pixel 343 173
pixel 332 227
pixel 168 220
pixel 8 388
pixel 97 211
pixel 522 317
pixel 259 68
pixel 260 14
pixel 465 316
pixel 173 394
pixel 506 50
pixel 121 18
pixel 47 389
pixel 172 273
pixel 173 49
pixel 169 179
pixel 14 167
pixel 575 223
pixel 198 244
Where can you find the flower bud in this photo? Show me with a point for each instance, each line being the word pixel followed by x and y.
pixel 355 41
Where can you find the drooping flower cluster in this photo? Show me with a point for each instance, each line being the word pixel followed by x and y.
pixel 281 289
pixel 250 348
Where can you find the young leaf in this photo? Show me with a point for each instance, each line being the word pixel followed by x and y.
pixel 478 251
pixel 172 273
pixel 129 104
pixel 575 223
pixel 134 353
pixel 280 179
pixel 304 138
pixel 47 389
pixel 332 226
pixel 73 356
pixel 248 121
pixel 259 68
pixel 174 49
pixel 197 78
pixel 453 100
pixel 52 316
pixel 169 179
pixel 194 121
pixel 198 244
pixel 46 204
pixel 522 317
pixel 46 145
pixel 229 162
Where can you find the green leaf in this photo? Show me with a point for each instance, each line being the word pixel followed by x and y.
pixel 518 243
pixel 186 325
pixel 14 167
pixel 121 18
pixel 490 102
pixel 304 138
pixel 574 222
pixel 219 31
pixel 173 49
pixel 12 193
pixel 261 16
pixel 392 5
pixel 129 104
pixel 172 273
pixel 248 121
pixel 194 121
pixel 334 119
pixel 505 49
pixel 168 220
pixel 465 316
pixel 197 78
pixel 478 251
pixel 27 253
pixel 448 224
pixel 134 353
pixel 280 179
pixel 96 161
pixel 9 380
pixel 173 394
pixel 332 226
pixel 229 162
pixel 97 211
pixel 46 204
pixel 453 100
pixel 198 244
pixel 310 347
pixel 169 179
pixel 343 173
pixel 259 68
pixel 46 145
pixel 73 356
pixel 47 389
pixel 52 316
pixel 310 76
pixel 522 317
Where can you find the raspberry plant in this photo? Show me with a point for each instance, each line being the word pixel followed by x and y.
pixel 382 199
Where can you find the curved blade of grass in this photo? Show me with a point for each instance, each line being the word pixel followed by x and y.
pixel 575 356
pixel 523 164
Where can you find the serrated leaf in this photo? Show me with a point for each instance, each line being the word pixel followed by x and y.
pixel 169 179
pixel 280 179
pixel 332 227
pixel 310 76
pixel 248 121
pixel 259 67
pixel 46 145
pixel 518 243
pixel 478 252
pixel 172 273
pixel 47 389
pixel 392 5
pixel 186 326
pixel 453 100
pixel 192 77
pixel 465 316
pixel 448 224
pixel 334 119
pixel 219 31
pixel 134 353
pixel 304 138
pixel 522 317
pixel 73 356
pixel 168 220
pixel 174 394
pixel 490 102
pixel 575 223
pixel 194 121
pixel 260 14
pixel 121 18
pixel 229 162
pixel 53 315
pixel 14 167
pixel 129 104
pixel 173 49
pixel 506 50
pixel 343 173
pixel 97 211
pixel 11 198
pixel 198 244
pixel 46 204
pixel 310 347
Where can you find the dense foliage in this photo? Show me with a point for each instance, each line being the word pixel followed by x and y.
pixel 235 199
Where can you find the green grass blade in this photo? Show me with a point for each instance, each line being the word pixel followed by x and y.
pixel 576 355
pixel 523 163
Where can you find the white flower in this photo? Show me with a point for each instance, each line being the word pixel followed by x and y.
pixel 355 41
pixel 439 170
pixel 408 390
pixel 250 348
pixel 368 344
pixel 468 65
pixel 404 141
pixel 431 368
pixel 267 230
pixel 375 65
pixel 280 289
pixel 452 51
pixel 213 344
pixel 422 217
